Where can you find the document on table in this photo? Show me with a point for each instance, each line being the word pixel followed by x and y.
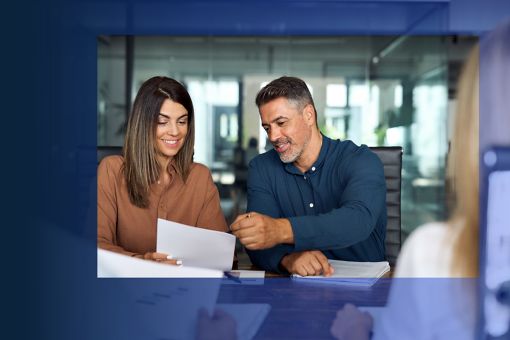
pixel 248 277
pixel 114 265
pixel 197 247
pixel 351 273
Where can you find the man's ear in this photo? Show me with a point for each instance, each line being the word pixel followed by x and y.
pixel 309 114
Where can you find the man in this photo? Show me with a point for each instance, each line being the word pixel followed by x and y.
pixel 311 198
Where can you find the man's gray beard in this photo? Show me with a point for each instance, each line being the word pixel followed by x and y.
pixel 292 157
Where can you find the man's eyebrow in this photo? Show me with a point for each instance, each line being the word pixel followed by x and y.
pixel 274 120
pixel 278 118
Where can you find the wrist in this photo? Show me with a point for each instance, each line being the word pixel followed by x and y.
pixel 284 262
pixel 285 231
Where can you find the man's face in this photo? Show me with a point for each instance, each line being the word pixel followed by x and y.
pixel 288 128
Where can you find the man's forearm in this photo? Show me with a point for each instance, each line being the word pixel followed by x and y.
pixel 285 232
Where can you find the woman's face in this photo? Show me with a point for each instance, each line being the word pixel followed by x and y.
pixel 171 129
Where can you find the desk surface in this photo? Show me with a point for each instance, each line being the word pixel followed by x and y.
pixel 302 309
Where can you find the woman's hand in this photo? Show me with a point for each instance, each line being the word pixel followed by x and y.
pixel 162 258
pixel 351 323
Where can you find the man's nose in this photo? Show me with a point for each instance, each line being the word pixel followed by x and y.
pixel 274 134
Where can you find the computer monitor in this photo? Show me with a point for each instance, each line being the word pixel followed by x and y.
pixel 494 320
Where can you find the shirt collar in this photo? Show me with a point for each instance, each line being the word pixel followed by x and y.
pixel 317 165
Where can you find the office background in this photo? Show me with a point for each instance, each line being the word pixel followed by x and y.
pixel 51 111
pixel 376 90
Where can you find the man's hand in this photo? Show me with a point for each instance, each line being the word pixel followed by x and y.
pixel 351 323
pixel 311 262
pixel 257 231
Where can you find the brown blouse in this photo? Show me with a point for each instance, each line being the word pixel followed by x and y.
pixel 125 228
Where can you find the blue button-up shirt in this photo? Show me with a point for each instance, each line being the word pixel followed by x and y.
pixel 338 206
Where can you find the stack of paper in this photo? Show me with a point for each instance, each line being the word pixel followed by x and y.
pixel 350 273
pixel 196 247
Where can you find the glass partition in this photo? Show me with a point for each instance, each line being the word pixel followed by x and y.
pixel 374 90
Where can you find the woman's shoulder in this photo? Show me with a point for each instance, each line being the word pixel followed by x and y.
pixel 433 231
pixel 199 171
pixel 199 168
pixel 426 252
pixel 111 164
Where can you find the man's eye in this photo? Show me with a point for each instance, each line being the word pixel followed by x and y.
pixel 280 123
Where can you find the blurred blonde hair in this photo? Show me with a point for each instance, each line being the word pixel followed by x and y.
pixel 463 171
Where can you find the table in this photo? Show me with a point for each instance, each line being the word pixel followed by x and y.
pixel 302 309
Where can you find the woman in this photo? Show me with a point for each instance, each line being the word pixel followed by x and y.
pixel 156 177
pixel 422 309
pixel 446 309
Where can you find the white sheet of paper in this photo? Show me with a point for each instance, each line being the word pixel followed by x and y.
pixel 114 265
pixel 197 247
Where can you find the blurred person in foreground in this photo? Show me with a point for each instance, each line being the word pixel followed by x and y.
pixel 447 308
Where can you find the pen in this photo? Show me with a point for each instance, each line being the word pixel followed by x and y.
pixel 232 277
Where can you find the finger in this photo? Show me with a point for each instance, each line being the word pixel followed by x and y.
pixel 309 269
pixel 243 217
pixel 317 267
pixel 241 224
pixel 236 221
pixel 301 271
pixel 247 231
pixel 159 256
pixel 325 266
pixel 174 262
pixel 250 243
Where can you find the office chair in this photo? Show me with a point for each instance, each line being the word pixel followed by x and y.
pixel 103 151
pixel 391 157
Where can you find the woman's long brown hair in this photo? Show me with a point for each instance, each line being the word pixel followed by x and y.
pixel 141 167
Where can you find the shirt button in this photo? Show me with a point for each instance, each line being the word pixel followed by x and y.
pixel 304 177
pixel 313 168
pixel 311 205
